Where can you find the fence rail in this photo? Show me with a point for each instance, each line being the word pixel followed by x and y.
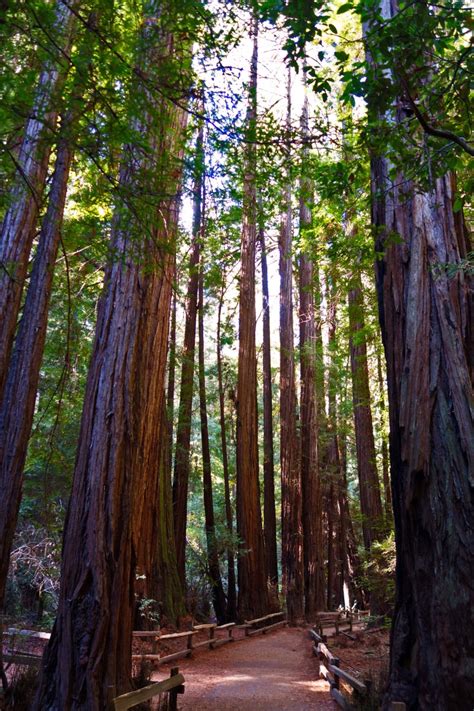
pixel 173 686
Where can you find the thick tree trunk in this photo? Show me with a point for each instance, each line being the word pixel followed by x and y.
pixel 88 660
pixel 310 480
pixel 292 533
pixel 425 318
pixel 369 487
pixel 26 194
pixel 218 596
pixel 425 308
pixel 171 376
pixel 269 516
pixel 17 406
pixel 231 584
pixel 183 430
pixel 253 593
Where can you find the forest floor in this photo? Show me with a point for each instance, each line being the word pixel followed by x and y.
pixel 276 671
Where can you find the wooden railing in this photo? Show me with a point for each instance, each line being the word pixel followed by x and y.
pixel 252 627
pixel 339 620
pixel 330 670
pixel 172 686
pixel 16 653
pixel 211 642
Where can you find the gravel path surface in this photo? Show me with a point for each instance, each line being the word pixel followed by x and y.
pixel 276 672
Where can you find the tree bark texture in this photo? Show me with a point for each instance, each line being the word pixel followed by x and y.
pixel 292 533
pixel 385 455
pixel 369 487
pixel 269 516
pixel 18 403
pixel 253 593
pixel 218 596
pixel 310 479
pixel 183 430
pixel 425 309
pixel 26 194
pixel 427 332
pixel 231 582
pixel 88 660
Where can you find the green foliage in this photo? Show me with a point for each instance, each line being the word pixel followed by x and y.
pixel 378 571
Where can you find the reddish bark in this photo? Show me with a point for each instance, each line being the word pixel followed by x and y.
pixel 253 593
pixel 310 479
pixel 231 586
pixel 88 659
pixel 183 430
pixel 425 309
pixel 269 516
pixel 218 596
pixel 26 194
pixel 17 406
pixel 369 487
pixel 292 532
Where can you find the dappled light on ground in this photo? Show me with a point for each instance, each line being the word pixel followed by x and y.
pixel 276 672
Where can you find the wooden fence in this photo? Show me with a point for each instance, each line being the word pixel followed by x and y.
pixel 330 670
pixel 16 653
pixel 250 627
pixel 172 686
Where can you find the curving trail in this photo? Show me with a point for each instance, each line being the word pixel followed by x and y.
pixel 275 672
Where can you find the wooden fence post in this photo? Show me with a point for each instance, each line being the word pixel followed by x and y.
pixel 211 637
pixel 173 695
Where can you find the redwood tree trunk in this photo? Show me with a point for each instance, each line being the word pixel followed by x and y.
pixel 26 194
pixel 269 516
pixel 292 533
pixel 88 660
pixel 17 406
pixel 385 456
pixel 310 480
pixel 183 431
pixel 218 596
pixel 426 318
pixel 253 593
pixel 231 586
pixel 369 487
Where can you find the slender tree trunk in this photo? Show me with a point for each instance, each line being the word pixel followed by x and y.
pixel 369 487
pixel 310 480
pixel 218 596
pixel 88 659
pixel 183 431
pixel 19 396
pixel 253 593
pixel 26 194
pixel 231 585
pixel 426 318
pixel 17 406
pixel 385 460
pixel 292 534
pixel 171 376
pixel 269 516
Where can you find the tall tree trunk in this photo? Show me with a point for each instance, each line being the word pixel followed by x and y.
pixel 426 319
pixel 231 586
pixel 88 659
pixel 292 534
pixel 26 194
pixel 171 376
pixel 218 596
pixel 310 480
pixel 17 406
pixel 369 487
pixel 385 460
pixel 269 516
pixel 183 431
pixel 253 593
pixel 19 396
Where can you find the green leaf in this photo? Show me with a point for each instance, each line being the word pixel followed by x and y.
pixel 345 7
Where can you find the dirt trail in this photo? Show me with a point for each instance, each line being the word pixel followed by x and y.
pixel 276 672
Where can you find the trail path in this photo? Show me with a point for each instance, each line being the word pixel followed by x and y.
pixel 275 672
